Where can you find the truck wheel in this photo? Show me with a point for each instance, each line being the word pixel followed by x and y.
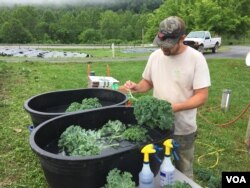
pixel 215 48
pixel 201 49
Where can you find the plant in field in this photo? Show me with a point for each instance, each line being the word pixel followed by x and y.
pixel 153 112
pixel 118 179
pixel 87 103
pixel 207 176
pixel 203 174
pixel 214 182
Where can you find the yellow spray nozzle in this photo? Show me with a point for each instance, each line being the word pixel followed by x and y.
pixel 168 146
pixel 146 150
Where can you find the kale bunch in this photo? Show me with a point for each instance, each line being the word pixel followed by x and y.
pixel 118 179
pixel 135 134
pixel 87 103
pixel 154 112
pixel 116 130
pixel 112 131
pixel 76 141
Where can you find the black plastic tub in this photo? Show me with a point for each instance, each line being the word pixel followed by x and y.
pixel 89 171
pixel 48 105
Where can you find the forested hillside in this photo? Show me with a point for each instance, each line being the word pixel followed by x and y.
pixel 128 21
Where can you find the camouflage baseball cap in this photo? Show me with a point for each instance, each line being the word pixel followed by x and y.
pixel 171 29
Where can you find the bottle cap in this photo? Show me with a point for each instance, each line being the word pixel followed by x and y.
pixel 115 86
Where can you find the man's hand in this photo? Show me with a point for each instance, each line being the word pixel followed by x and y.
pixel 129 85
pixel 141 87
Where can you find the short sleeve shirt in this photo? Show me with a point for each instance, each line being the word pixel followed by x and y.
pixel 175 78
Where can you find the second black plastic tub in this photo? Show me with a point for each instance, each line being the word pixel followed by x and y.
pixel 51 104
pixel 89 171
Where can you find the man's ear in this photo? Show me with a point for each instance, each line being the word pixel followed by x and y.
pixel 182 37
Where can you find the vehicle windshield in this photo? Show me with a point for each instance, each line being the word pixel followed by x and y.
pixel 196 34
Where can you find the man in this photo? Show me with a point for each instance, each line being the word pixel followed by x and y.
pixel 178 74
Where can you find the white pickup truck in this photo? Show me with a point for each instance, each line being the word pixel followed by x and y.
pixel 202 40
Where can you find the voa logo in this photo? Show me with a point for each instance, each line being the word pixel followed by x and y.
pixel 236 179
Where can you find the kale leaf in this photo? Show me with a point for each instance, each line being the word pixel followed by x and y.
pixel 154 112
pixel 76 141
pixel 114 128
pixel 112 131
pixel 74 106
pixel 135 134
pixel 118 179
pixel 87 103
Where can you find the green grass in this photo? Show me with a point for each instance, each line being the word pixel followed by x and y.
pixel 20 167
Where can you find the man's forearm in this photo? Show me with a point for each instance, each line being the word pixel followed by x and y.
pixel 142 86
pixel 197 100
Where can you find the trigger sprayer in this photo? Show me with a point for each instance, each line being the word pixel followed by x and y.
pixel 167 168
pixel 146 176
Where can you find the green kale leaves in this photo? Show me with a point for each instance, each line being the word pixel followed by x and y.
pixel 76 141
pixel 135 134
pixel 87 103
pixel 154 112
pixel 118 179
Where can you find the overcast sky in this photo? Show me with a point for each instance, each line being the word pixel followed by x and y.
pixel 52 2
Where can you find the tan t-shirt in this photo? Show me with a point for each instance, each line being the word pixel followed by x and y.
pixel 175 78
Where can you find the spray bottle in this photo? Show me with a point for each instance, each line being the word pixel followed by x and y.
pixel 146 176
pixel 167 168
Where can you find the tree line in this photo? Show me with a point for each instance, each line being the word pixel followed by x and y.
pixel 124 24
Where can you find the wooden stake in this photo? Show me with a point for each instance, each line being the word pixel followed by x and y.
pixel 107 70
pixel 88 71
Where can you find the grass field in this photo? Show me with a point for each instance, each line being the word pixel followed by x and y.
pixel 217 148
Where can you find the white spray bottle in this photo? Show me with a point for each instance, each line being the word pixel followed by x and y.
pixel 146 176
pixel 167 168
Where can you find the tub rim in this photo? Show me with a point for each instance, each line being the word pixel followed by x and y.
pixel 30 110
pixel 46 154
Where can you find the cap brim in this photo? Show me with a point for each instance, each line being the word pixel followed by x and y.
pixel 167 43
